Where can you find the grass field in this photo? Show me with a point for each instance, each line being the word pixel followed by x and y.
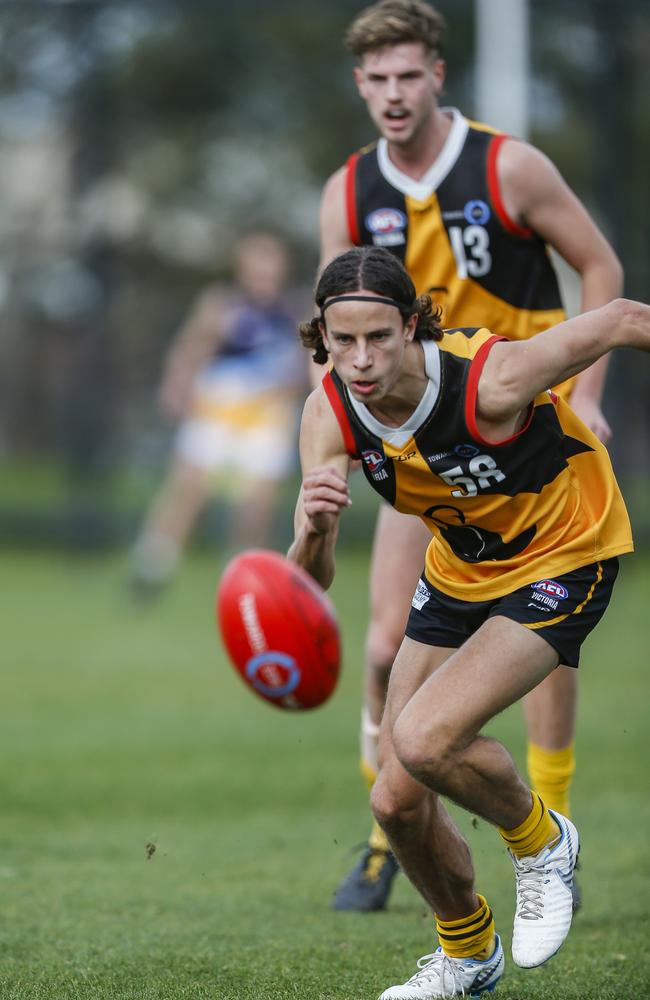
pixel 166 835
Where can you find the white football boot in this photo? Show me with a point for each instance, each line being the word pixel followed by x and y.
pixel 544 899
pixel 440 976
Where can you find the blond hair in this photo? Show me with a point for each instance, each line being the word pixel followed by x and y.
pixel 391 22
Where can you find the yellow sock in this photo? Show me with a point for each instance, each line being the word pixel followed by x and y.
pixel 469 937
pixel 550 773
pixel 368 773
pixel 537 830
pixel 377 839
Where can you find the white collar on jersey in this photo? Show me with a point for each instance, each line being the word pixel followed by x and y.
pixel 435 175
pixel 398 436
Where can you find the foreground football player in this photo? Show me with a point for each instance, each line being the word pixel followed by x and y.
pixel 527 521
pixel 471 214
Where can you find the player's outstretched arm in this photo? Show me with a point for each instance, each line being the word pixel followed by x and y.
pixel 516 372
pixel 324 492
pixel 195 343
pixel 334 233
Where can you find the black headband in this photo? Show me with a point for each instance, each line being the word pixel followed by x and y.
pixel 402 306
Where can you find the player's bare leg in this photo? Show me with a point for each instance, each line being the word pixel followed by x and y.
pixel 252 513
pixel 431 850
pixel 550 713
pixel 399 546
pixel 400 543
pixel 170 519
pixel 437 860
pixel 435 735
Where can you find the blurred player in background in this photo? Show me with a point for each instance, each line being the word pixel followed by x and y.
pixel 233 377
pixel 471 213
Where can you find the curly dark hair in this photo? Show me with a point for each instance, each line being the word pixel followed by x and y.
pixel 370 269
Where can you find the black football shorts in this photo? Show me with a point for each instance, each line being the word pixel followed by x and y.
pixel 563 610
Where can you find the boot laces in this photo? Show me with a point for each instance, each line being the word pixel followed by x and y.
pixel 441 970
pixel 531 879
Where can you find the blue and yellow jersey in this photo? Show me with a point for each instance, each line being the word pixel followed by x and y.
pixel 541 503
pixel 259 344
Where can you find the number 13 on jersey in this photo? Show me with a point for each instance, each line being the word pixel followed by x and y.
pixel 471 250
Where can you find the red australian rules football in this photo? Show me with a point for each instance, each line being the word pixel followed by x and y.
pixel 280 629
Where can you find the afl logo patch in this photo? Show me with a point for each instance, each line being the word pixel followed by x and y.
pixel 374 459
pixel 552 588
pixel 477 212
pixel 386 220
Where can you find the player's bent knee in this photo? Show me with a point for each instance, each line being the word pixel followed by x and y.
pixel 392 807
pixel 426 753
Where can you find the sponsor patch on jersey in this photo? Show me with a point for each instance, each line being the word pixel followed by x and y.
pixel 421 596
pixel 466 450
pixel 389 239
pixel 552 588
pixel 477 212
pixel 374 459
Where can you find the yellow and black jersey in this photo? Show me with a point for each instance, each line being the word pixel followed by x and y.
pixel 452 233
pixel 541 503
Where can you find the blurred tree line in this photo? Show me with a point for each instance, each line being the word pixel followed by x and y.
pixel 139 138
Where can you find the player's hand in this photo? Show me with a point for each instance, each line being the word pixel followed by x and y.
pixel 325 494
pixel 592 415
